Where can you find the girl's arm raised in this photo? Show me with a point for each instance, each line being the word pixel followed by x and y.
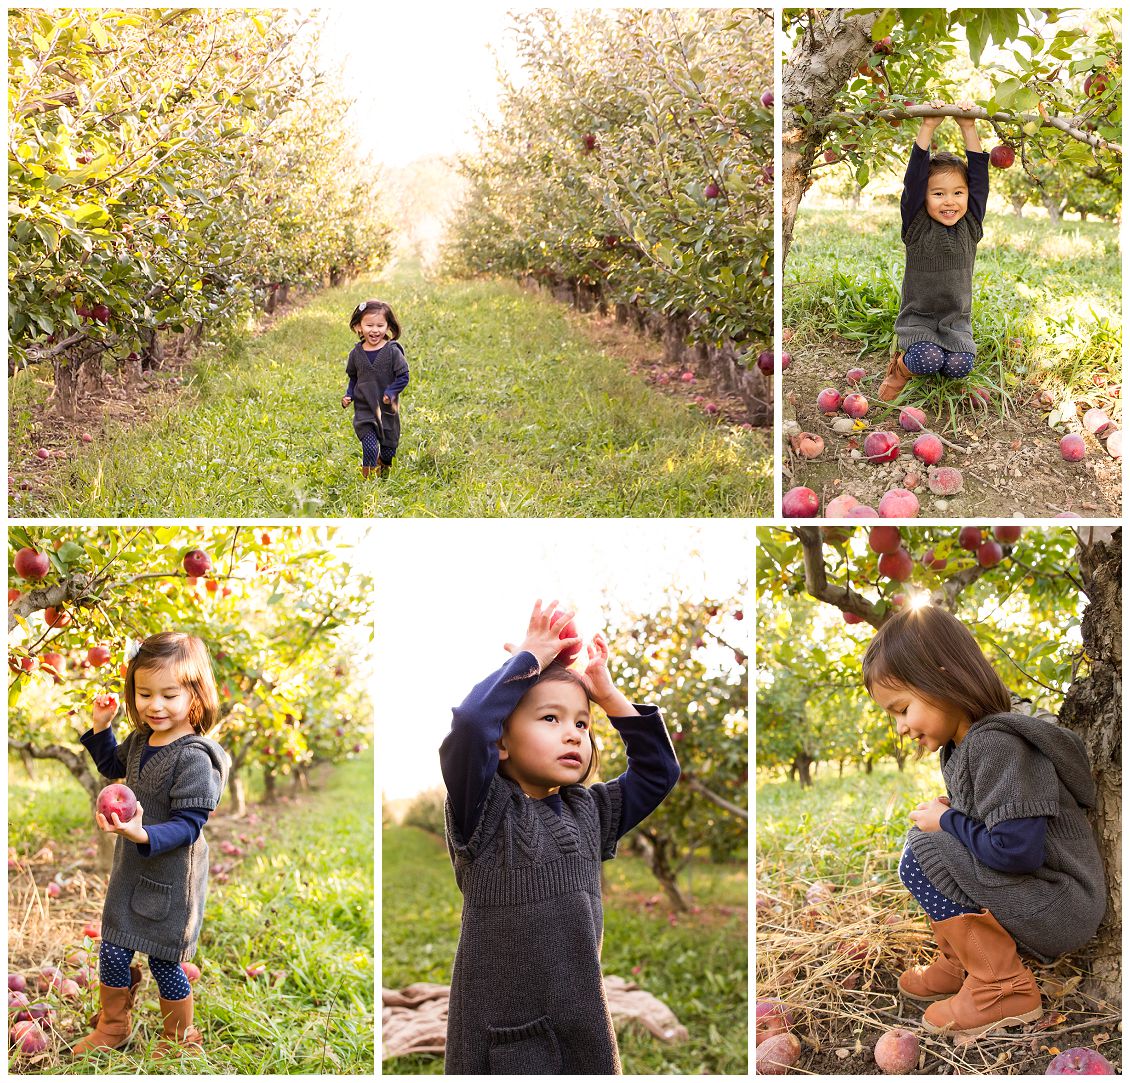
pixel 918 171
pixel 100 741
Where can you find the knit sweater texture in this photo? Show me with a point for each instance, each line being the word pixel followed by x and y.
pixel 937 284
pixel 371 378
pixel 527 993
pixel 1012 766
pixel 156 904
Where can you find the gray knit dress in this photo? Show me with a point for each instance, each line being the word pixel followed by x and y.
pixel 1011 766
pixel 527 994
pixel 156 904
pixel 373 377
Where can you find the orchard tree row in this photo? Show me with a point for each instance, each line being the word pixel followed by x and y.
pixel 1044 604
pixel 688 658
pixel 634 165
pixel 285 619
pixel 856 82
pixel 169 169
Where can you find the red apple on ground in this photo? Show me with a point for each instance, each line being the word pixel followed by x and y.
pixel 255 972
pixel 1007 534
pixel 569 631
pixel 896 1052
pixel 776 1055
pixel 767 99
pixel 773 1018
pixel 800 503
pixel 48 978
pixel 1080 1061
pixel 31 564
pixel 928 449
pixel 898 565
pixel 855 405
pixel 881 447
pixel 687 377
pixel 840 505
pixel 53 890
pixel 1002 156
pixel 1072 447
pixel 93 930
pixel 786 361
pixel 86 438
pixel 989 554
pixel 1096 421
pixel 17 983
pixel 884 539
pixel 808 444
pixel 912 419
pixel 1114 444
pixel 855 375
pixel 117 799
pixel 898 504
pixel 863 511
pixel 27 1038
pixel 42 453
pixel 829 400
pixel 944 480
pixel 196 562
pixel 98 655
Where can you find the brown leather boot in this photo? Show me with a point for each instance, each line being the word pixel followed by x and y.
pixel 112 1025
pixel 939 979
pixel 384 468
pixel 1000 990
pixel 180 1036
pixel 895 380
pixel 368 471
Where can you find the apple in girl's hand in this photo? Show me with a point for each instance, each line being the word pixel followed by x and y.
pixel 191 971
pixel 117 799
pixel 568 656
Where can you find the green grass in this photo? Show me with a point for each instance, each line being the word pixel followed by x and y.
pixel 697 966
pixel 303 904
pixel 1056 288
pixel 841 829
pixel 511 412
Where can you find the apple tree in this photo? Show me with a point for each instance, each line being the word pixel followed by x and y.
pixel 632 167
pixel 285 618
pixel 688 658
pixel 855 80
pixel 1045 605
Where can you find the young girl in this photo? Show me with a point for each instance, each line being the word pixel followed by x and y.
pixel 943 207
pixel 1007 858
pixel 378 372
pixel 526 838
pixel 159 880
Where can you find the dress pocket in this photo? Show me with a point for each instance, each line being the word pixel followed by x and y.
pixel 150 899
pixel 530 1049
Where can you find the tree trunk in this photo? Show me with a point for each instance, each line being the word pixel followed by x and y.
pixel 900 757
pixel 1093 710
pixel 238 792
pixel 269 794
pixel 869 765
pixel 90 373
pixel 659 852
pixel 841 767
pixel 801 766
pixel 1052 206
pixel 29 764
pixel 826 57
pixel 64 396
pixel 300 781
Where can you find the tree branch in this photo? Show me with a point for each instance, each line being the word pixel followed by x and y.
pixel 74 588
pixel 693 783
pixel 818 587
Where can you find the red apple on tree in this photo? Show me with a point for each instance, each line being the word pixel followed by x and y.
pixel 31 564
pixel 98 655
pixel 712 191
pixel 196 563
pixel 1002 156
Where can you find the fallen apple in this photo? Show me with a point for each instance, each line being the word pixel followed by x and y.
pixel 896 1052
pixel 800 503
pixel 898 504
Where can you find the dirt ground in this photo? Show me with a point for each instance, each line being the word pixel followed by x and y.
pixel 1009 456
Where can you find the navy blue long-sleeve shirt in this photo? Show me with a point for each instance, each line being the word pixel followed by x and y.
pixel 469 753
pixel 1015 846
pixel 915 184
pixel 186 824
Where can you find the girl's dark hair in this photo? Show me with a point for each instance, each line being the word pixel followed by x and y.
pixel 946 162
pixel 188 659
pixel 555 671
pixel 365 307
pixel 932 652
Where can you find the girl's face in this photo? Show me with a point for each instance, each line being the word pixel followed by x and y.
pixel 374 328
pixel 947 197
pixel 932 725
pixel 547 741
pixel 163 704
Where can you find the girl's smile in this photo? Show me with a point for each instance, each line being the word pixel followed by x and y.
pixel 374 327
pixel 164 705
pixel 933 725
pixel 947 198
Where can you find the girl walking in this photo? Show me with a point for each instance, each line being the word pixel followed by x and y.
pixel 526 839
pixel 1007 859
pixel 378 373
pixel 159 879
pixel 943 208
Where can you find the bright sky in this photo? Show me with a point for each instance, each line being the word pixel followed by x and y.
pixel 450 593
pixel 421 73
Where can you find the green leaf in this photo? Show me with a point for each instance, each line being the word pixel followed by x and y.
pixel 884 24
pixel 91 214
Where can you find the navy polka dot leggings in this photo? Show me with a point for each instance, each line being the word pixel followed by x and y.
pixel 936 905
pixel 371 447
pixel 927 359
pixel 113 970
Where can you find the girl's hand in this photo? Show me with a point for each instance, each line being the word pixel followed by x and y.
pixel 387 401
pixel 345 401
pixel 543 636
pixel 928 816
pixel 598 680
pixel 105 708
pixel 132 830
pixel 965 123
pixel 930 123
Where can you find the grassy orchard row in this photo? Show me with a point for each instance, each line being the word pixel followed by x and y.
pixel 635 165
pixel 273 612
pixel 167 170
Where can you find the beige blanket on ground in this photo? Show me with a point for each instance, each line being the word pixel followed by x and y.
pixel 414 1019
